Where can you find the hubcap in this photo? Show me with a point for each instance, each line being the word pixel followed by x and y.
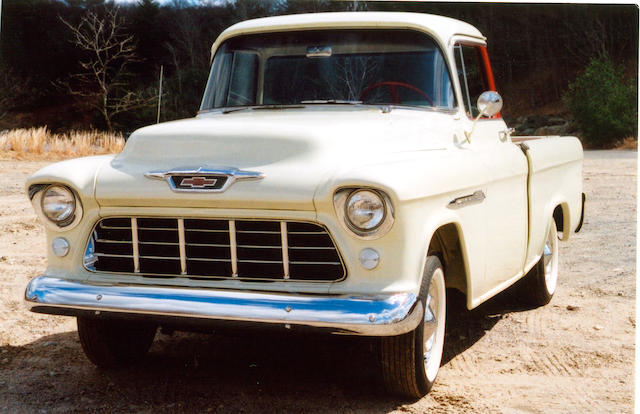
pixel 550 260
pixel 434 315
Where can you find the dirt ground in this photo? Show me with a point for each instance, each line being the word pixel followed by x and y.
pixel 574 355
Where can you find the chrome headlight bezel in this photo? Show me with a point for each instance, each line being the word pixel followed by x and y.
pixel 58 203
pixel 341 199
pixel 37 193
pixel 365 200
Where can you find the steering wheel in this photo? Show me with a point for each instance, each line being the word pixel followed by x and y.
pixel 393 87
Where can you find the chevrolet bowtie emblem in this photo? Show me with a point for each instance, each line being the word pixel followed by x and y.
pixel 198 182
pixel 203 179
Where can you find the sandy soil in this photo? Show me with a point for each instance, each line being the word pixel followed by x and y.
pixel 574 355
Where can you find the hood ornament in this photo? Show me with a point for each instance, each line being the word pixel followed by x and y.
pixel 203 179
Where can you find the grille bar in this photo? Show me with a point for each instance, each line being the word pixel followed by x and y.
pixel 234 248
pixel 159 258
pixel 285 248
pixel 159 243
pixel 114 255
pixel 202 259
pixel 257 232
pixel 200 248
pixel 113 241
pixel 318 263
pixel 261 261
pixel 208 245
pixel 182 247
pixel 134 244
pixel 311 248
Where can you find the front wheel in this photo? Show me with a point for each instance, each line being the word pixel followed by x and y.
pixel 113 343
pixel 410 362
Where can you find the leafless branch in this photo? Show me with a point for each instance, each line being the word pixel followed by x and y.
pixel 109 52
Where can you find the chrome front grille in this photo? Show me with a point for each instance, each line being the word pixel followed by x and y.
pixel 214 249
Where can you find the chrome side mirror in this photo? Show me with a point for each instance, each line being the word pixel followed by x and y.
pixel 489 103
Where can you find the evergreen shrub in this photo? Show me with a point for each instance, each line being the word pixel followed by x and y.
pixel 604 103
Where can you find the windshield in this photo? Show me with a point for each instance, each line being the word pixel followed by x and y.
pixel 397 67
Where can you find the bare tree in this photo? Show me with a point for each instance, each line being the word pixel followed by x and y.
pixel 358 6
pixel 352 75
pixel 109 52
pixel 12 89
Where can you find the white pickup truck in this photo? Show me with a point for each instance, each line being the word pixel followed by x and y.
pixel 344 170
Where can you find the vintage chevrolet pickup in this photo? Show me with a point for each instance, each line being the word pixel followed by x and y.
pixel 343 171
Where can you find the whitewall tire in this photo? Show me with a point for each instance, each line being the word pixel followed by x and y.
pixel 410 362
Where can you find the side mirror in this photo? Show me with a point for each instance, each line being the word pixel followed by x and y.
pixel 489 103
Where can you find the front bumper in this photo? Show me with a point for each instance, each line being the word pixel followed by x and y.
pixel 383 315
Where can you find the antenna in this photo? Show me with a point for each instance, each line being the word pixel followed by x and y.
pixel 159 92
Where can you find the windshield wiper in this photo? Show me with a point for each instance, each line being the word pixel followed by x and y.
pixel 331 101
pixel 258 107
pixel 385 108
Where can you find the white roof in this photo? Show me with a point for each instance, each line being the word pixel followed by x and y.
pixel 440 27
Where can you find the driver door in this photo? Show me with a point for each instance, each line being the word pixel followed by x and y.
pixel 507 168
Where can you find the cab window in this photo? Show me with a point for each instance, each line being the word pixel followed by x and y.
pixel 472 76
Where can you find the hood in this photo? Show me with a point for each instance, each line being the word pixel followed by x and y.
pixel 294 149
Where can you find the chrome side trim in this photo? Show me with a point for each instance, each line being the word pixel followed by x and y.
pixel 232 175
pixel 383 315
pixel 233 246
pixel 475 198
pixel 285 248
pixel 182 246
pixel 134 243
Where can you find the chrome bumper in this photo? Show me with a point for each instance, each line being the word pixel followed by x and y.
pixel 384 315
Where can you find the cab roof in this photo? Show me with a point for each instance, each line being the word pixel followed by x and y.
pixel 440 27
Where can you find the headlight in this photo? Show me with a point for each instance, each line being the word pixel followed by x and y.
pixel 59 205
pixel 365 210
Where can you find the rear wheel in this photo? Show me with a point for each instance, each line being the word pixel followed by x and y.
pixel 114 343
pixel 410 362
pixel 541 282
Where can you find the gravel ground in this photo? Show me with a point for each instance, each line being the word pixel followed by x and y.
pixel 574 355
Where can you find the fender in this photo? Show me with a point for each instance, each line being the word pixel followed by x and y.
pixel 443 219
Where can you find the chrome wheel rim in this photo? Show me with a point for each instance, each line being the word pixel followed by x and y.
pixel 550 259
pixel 434 321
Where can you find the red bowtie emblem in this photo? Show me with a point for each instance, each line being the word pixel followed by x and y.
pixel 198 182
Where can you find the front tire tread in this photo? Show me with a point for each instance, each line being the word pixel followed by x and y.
pixel 114 343
pixel 403 370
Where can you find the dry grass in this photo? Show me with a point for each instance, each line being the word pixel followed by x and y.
pixel 40 143
pixel 629 143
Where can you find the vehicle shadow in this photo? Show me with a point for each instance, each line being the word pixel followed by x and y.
pixel 191 372
pixel 466 327
pixel 197 373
